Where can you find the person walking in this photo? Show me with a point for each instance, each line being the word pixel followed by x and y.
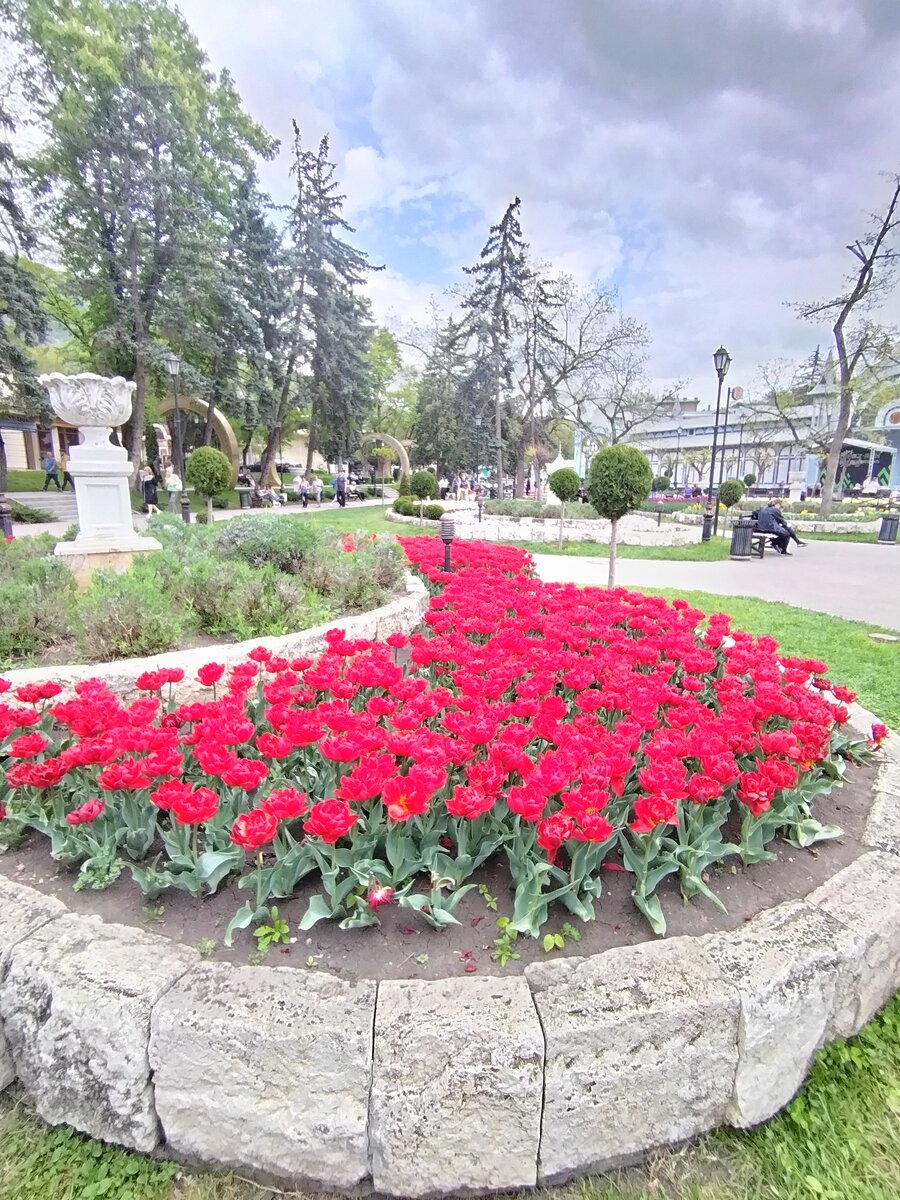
pixel 173 485
pixel 318 489
pixel 50 467
pixel 149 490
pixel 304 492
pixel 340 490
pixel 64 467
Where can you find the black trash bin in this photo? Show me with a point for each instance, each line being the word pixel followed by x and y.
pixel 244 497
pixel 742 538
pixel 887 534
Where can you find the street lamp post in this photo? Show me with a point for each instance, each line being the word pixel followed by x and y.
pixel 172 363
pixel 740 448
pixel 728 395
pixel 722 361
pixel 678 432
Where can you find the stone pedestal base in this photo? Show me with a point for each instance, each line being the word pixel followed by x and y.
pixel 83 561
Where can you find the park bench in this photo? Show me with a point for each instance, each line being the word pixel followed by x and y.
pixel 760 541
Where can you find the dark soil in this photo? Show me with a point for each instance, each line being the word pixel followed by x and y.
pixel 404 948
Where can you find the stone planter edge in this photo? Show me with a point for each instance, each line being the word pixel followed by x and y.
pixel 579 1065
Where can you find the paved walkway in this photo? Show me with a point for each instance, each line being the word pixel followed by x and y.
pixel 846 579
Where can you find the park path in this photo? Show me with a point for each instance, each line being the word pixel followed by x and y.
pixel 859 581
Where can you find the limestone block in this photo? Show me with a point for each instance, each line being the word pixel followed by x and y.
pixel 268 1067
pixel 75 1003
pixel 22 911
pixel 785 964
pixel 864 899
pixel 641 1052
pixel 456 1087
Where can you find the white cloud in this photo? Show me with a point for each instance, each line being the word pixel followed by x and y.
pixel 713 156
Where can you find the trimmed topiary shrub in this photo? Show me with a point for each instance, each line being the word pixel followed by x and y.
pixel 424 486
pixel 749 479
pixel 208 472
pixel 404 506
pixel 619 480
pixel 433 512
pixel 565 485
pixel 661 483
pixel 730 492
pixel 404 488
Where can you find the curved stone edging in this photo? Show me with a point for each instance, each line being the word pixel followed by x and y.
pixel 399 615
pixel 420 1088
pixel 546 529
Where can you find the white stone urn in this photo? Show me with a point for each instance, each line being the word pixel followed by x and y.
pixel 97 405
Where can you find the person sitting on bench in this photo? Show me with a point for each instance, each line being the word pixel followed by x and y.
pixel 769 520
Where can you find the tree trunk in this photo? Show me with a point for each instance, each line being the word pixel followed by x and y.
pixel 310 442
pixel 832 463
pixel 613 534
pixel 498 432
pixel 138 409
pixel 213 401
pixel 520 475
pixel 3 464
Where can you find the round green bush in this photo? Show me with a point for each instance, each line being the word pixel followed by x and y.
pixel 730 492
pixel 661 483
pixel 404 488
pixel 424 485
pixel 619 479
pixel 404 506
pixel 433 512
pixel 564 484
pixel 749 479
pixel 208 471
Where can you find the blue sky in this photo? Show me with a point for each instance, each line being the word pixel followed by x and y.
pixel 709 158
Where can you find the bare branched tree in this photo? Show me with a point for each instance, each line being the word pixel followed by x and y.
pixel 859 341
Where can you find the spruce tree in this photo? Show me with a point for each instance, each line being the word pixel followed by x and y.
pixel 495 304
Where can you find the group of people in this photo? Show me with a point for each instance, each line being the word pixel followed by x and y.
pixel 149 481
pixel 52 466
pixel 460 487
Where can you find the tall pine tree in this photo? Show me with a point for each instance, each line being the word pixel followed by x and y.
pixel 495 304
pixel 324 337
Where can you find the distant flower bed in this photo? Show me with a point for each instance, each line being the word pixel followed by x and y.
pixel 254 576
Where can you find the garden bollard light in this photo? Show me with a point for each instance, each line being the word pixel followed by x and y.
pixel 185 508
pixel 448 532
pixel 707 524
pixel 480 507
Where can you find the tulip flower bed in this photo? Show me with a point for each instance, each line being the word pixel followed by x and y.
pixel 559 730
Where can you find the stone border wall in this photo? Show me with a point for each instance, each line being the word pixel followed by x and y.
pixel 799 523
pixel 402 614
pixel 423 1088
pixel 632 530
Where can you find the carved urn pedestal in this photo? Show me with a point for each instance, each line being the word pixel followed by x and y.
pixel 101 471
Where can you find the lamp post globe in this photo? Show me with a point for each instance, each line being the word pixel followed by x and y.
pixel 721 361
